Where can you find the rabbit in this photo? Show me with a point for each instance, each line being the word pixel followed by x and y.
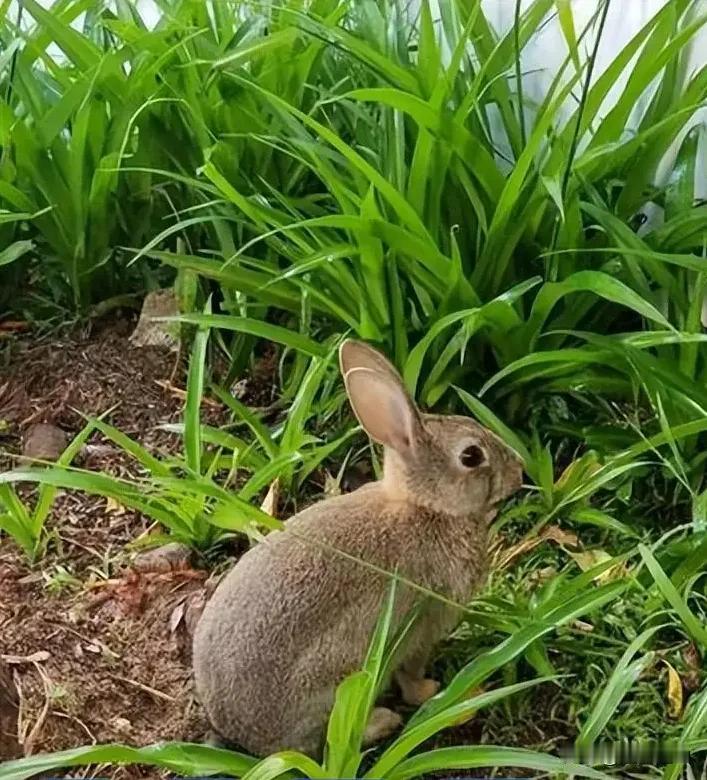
pixel 293 617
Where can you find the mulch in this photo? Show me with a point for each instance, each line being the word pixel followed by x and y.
pixel 94 650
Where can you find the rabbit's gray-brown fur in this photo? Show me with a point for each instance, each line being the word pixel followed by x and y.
pixel 293 617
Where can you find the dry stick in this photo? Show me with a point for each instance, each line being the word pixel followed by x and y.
pixel 145 688
pixel 40 655
pixel 28 744
pixel 91 735
pixel 20 706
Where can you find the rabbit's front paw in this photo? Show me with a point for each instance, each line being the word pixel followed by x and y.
pixel 417 692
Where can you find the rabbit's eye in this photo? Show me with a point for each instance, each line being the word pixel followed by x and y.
pixel 472 456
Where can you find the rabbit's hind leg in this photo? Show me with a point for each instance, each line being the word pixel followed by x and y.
pixel 306 729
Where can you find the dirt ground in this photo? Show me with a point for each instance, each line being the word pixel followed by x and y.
pixel 94 650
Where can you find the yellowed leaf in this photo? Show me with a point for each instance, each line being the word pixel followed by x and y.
pixel 553 533
pixel 675 699
pixel 560 536
pixel 272 498
pixel 582 465
pixel 113 507
pixel 588 559
pixel 331 485
pixel 505 557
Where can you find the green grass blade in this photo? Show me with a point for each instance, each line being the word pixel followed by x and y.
pixel 195 393
pixel 182 757
pixel 476 756
pixel 255 327
pixel 624 676
pixel 452 716
pixel 692 625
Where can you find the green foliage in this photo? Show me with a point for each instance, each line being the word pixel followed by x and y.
pixel 207 490
pixel 26 526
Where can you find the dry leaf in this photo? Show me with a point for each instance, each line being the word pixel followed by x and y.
pixel 176 617
pixel 675 701
pixel 538 576
pixel 580 625
pixel 153 332
pixel 194 606
pixel 505 557
pixel 558 535
pixel 552 533
pixel 588 559
pixel 113 507
pixel 272 499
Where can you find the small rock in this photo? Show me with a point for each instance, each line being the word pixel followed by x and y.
pixel 168 557
pixel 43 441
pixel 122 725
pixel 151 333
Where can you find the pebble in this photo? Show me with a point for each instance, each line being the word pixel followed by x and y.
pixel 166 558
pixel 44 441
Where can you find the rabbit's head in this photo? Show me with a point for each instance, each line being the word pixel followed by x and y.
pixel 449 464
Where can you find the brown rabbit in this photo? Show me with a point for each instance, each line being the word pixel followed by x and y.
pixel 293 618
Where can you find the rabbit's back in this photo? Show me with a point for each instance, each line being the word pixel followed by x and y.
pixel 294 616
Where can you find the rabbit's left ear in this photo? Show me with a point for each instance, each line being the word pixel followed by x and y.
pixel 358 354
pixel 378 397
pixel 384 409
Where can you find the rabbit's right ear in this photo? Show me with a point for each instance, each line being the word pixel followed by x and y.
pixel 378 397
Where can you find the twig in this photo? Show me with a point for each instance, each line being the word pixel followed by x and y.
pixel 145 688
pixel 28 743
pixel 20 706
pixel 33 658
pixel 91 735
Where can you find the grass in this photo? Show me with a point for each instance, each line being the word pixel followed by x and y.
pixel 310 172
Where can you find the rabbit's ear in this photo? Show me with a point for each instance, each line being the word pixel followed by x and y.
pixel 383 408
pixel 358 354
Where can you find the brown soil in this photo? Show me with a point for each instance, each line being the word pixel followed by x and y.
pixel 96 651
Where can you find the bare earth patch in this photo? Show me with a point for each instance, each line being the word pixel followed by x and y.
pixel 95 650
